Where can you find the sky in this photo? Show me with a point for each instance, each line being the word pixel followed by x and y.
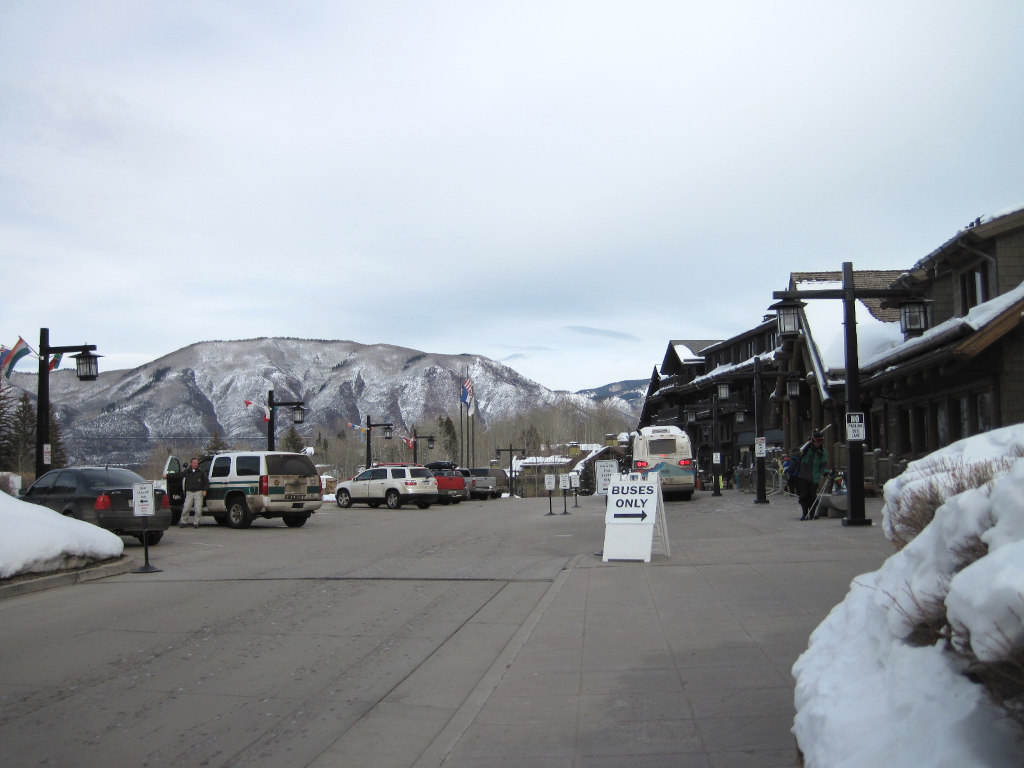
pixel 865 696
pixel 563 186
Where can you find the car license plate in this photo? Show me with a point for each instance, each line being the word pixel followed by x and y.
pixel 294 496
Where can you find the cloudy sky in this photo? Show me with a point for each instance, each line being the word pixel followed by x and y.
pixel 562 186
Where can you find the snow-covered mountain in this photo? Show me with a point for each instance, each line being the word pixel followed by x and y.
pixel 203 389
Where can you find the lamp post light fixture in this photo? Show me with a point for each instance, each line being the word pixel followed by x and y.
pixel 298 415
pixel 716 456
pixel 510 451
pixel 87 369
pixel 389 432
pixel 431 442
pixel 913 315
pixel 793 386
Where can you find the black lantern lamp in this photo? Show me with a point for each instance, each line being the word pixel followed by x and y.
pixel 723 391
pixel 87 366
pixel 787 312
pixel 913 316
pixel 298 414
pixel 793 385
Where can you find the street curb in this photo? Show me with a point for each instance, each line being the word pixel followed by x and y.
pixel 435 754
pixel 31 584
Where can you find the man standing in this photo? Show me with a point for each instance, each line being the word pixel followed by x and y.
pixel 812 466
pixel 194 484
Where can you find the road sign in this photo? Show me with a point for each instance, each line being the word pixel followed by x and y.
pixel 855 427
pixel 563 482
pixel 605 470
pixel 634 509
pixel 760 447
pixel 549 482
pixel 142 500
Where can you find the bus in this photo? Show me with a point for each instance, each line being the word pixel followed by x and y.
pixel 667 451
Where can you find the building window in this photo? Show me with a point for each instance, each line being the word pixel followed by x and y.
pixel 984 403
pixel 974 287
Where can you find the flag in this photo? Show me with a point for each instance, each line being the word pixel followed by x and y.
pixel 55 361
pixel 17 352
pixel 408 442
pixel 467 395
pixel 266 410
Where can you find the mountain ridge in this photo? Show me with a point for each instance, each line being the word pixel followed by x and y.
pixel 202 389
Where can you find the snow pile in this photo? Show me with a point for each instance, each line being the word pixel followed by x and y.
pixel 35 539
pixel 879 684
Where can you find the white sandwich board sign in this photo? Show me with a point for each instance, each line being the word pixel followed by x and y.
pixel 634 511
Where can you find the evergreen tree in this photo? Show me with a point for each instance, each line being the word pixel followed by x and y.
pixel 7 405
pixel 23 436
pixel 448 439
pixel 216 445
pixel 292 441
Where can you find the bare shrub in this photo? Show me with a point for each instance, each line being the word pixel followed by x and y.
pixel 917 505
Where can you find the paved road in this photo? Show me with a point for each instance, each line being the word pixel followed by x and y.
pixel 262 647
pixel 474 635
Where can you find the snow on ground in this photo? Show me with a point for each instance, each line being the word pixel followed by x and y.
pixel 866 695
pixel 34 539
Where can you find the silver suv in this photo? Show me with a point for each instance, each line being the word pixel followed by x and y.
pixel 391 484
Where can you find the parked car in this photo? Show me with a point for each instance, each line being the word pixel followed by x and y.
pixel 245 485
pixel 391 484
pixel 473 485
pixel 102 496
pixel 449 469
pixel 493 481
pixel 451 486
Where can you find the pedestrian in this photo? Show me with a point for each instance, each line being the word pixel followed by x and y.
pixel 813 461
pixel 194 484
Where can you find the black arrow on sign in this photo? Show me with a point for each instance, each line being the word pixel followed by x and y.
pixel 640 515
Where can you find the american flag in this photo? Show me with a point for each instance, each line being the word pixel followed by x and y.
pixel 467 395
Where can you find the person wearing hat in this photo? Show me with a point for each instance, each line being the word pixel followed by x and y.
pixel 813 461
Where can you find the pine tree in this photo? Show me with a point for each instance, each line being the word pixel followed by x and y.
pixel 216 445
pixel 7 405
pixel 292 441
pixel 23 436
pixel 448 439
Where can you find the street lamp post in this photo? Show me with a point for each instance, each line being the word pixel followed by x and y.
pixel 416 444
pixel 298 415
pixel 761 497
pixel 87 368
pixel 912 317
pixel 721 393
pixel 389 432
pixel 510 451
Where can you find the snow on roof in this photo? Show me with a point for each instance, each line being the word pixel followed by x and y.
pixel 976 319
pixel 828 333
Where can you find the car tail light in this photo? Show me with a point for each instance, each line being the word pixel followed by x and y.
pixel 264 485
pixel 102 502
pixel 410 483
pixel 684 462
pixel 641 464
pixel 165 503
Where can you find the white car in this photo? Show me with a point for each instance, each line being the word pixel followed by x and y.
pixel 391 484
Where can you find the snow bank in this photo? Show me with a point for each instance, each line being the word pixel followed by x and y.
pixel 34 539
pixel 866 694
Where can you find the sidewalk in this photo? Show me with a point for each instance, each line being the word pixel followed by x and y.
pixel 684 661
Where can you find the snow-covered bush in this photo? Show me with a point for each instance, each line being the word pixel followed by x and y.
pixel 891 677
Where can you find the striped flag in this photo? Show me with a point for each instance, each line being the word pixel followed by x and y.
pixel 17 352
pixel 467 395
pixel 55 361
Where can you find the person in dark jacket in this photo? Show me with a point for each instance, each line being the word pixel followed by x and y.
pixel 194 484
pixel 813 462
